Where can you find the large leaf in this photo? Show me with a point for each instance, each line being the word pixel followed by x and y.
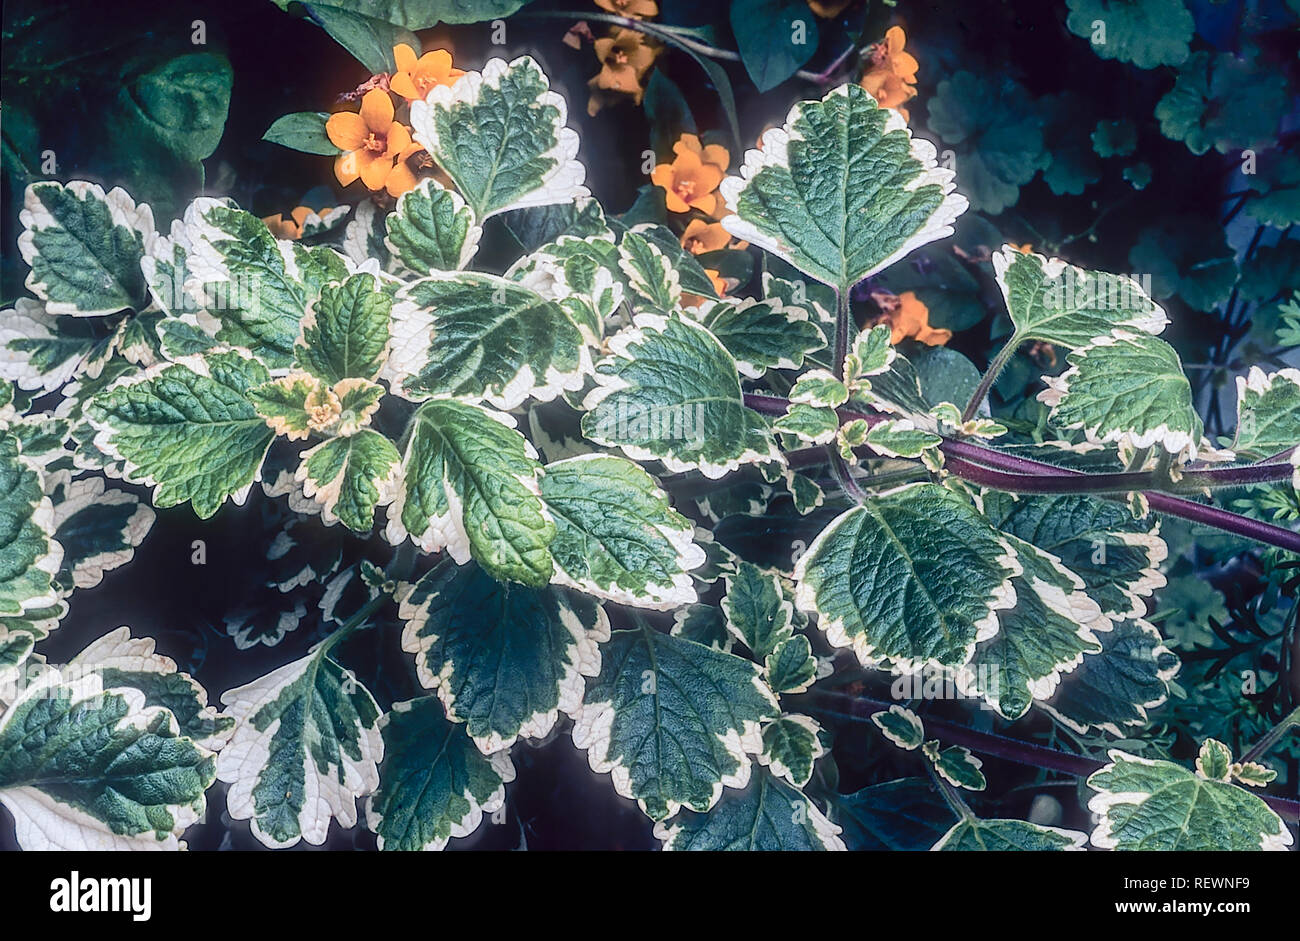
pixel 1115 687
pixel 581 274
pixel 907 814
pixel 1118 557
pixel 756 610
pixel 476 335
pixel 29 556
pixel 765 32
pixel 1147 33
pixel 84 247
pixel 674 721
pixel 425 14
pixel 670 392
pixel 433 783
pixel 1055 302
pixel 469 485
pixel 973 834
pixel 616 534
pixel 842 191
pixel 1145 804
pixel 913 578
pixel 40 351
pixel 98 530
pixel 1048 631
pixel 1128 388
pixel 501 136
pixel 84 768
pixel 186 429
pixel 767 816
pixel 504 659
pixel 122 660
pixel 306 745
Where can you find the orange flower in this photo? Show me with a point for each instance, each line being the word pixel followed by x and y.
pixel 414 77
pixel 828 9
pixel 636 9
pixel 715 154
pixel 624 57
pixel 909 318
pixel 701 237
pixel 1025 249
pixel 292 227
pixel 719 287
pixel 403 179
pixel 691 180
pixel 372 141
pixel 891 76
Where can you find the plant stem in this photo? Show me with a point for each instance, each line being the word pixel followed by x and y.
pixel 991 376
pixel 860 708
pixel 1272 736
pixel 843 319
pixel 978 464
pixel 950 794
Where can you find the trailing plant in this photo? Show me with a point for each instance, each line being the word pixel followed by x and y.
pixel 557 464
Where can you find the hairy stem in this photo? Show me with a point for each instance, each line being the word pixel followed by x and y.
pixel 991 376
pixel 1272 736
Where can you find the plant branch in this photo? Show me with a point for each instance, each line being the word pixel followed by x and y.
pixel 991 376
pixel 976 463
pixel 1008 749
pixel 1272 736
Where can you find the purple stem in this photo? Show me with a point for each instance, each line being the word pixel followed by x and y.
pixel 1009 749
pixel 981 465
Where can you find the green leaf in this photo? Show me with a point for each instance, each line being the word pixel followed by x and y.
pixel 482 336
pixel 790 667
pixel 756 610
pixel 1189 256
pixel 179 107
pixel 250 281
pixel 670 392
pixel 1118 557
pixel 29 556
pixel 1046 634
pixel 915 577
pixel 84 247
pixel 432 230
pixel 887 195
pixel 616 534
pixel 900 438
pixel 1214 762
pixel 971 834
pixel 503 659
pixel 819 387
pixel 791 745
pixel 15 647
pixel 906 814
pixel 813 424
pixel 1147 33
pixel 368 37
pixel 469 485
pixel 345 331
pixel 997 131
pixel 1144 804
pixel 351 476
pixel 768 815
pixel 41 352
pixel 1116 687
pixel 121 660
pixel 1127 388
pixel 187 429
pixel 582 274
pixel 97 529
pixel 956 765
pixel 1054 302
pixel 84 768
pixel 765 31
pixel 674 721
pixel 306 745
pixel 689 272
pixel 536 226
pixel 763 335
pixel 1114 138
pixel 901 726
pixel 501 136
pixel 303 131
pixel 653 282
pixel 433 783
pixel 1268 412
pixel 426 14
pixel 1224 101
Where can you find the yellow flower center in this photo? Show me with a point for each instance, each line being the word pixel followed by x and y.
pixel 685 189
pixel 374 143
pixel 694 245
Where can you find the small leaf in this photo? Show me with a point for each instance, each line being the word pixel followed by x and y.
pixel 345 331
pixel 901 726
pixel 303 131
pixel 971 834
pixel 763 335
pixel 756 610
pixel 432 230
pixel 351 476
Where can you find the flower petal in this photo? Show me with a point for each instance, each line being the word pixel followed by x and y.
pixel 377 110
pixel 346 130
